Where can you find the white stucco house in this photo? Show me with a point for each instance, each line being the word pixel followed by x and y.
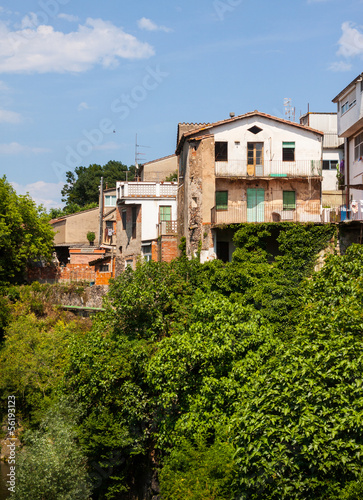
pixel 350 127
pixel 146 225
pixel 333 153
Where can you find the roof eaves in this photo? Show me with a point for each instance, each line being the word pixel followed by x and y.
pixel 342 92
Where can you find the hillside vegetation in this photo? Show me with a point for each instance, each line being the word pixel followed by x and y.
pixel 198 382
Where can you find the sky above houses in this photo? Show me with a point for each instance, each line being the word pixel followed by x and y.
pixel 79 80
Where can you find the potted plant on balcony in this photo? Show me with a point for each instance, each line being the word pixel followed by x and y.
pixel 91 237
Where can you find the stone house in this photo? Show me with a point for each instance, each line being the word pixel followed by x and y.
pixel 249 168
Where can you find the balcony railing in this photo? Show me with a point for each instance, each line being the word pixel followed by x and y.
pixel 146 190
pixel 267 212
pixel 167 227
pixel 269 168
pixel 341 214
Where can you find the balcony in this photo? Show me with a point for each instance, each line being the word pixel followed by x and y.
pixel 167 228
pixel 269 168
pixel 267 212
pixel 127 190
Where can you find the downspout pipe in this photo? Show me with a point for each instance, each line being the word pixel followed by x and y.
pixel 101 214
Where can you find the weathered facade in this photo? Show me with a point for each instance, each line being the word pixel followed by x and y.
pixel 250 168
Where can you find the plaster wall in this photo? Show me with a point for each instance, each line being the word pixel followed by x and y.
pixel 308 145
pixel 159 170
pixel 355 171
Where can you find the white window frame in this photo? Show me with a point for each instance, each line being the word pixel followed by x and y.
pixel 110 200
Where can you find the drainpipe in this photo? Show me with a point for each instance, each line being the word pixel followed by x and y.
pixel 347 174
pixel 101 213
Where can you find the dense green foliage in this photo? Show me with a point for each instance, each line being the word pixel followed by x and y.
pixel 51 465
pixel 223 381
pixel 25 234
pixel 82 185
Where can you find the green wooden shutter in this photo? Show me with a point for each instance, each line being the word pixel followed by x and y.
pixel 165 213
pixel 222 200
pixel 255 205
pixel 289 200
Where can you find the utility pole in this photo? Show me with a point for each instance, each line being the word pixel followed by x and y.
pixel 101 213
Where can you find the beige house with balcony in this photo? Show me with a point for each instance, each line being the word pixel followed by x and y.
pixel 249 168
pixel 146 222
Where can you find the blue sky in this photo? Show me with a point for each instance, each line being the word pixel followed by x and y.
pixel 78 80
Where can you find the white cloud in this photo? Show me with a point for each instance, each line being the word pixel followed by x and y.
pixel 68 17
pixel 41 49
pixel 340 66
pixel 351 41
pixel 14 148
pixel 9 116
pixel 82 106
pixel 3 87
pixel 108 146
pixel 45 193
pixel 147 24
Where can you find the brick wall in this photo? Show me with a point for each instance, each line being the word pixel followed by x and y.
pixel 168 248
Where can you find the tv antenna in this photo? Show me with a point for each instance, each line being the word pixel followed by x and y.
pixel 289 109
pixel 138 155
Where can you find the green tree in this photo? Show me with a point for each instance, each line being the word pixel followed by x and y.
pixel 52 465
pixel 298 429
pixel 82 185
pixel 25 234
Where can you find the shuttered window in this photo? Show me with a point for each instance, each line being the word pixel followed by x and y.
pixel 289 200
pixel 222 200
pixel 165 213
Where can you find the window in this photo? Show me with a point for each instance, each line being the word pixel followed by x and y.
pixel 129 263
pixel 255 129
pixel 109 228
pixel 124 219
pixel 221 200
pixel 221 151
pixel 345 107
pixel 110 201
pixel 146 252
pixel 288 151
pixel 330 164
pixel 358 147
pixel 134 221
pixel 164 213
pixel 104 268
pixel 289 200
pixel 348 103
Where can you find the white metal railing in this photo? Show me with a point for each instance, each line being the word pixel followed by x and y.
pixel 267 212
pixel 146 190
pixel 269 168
